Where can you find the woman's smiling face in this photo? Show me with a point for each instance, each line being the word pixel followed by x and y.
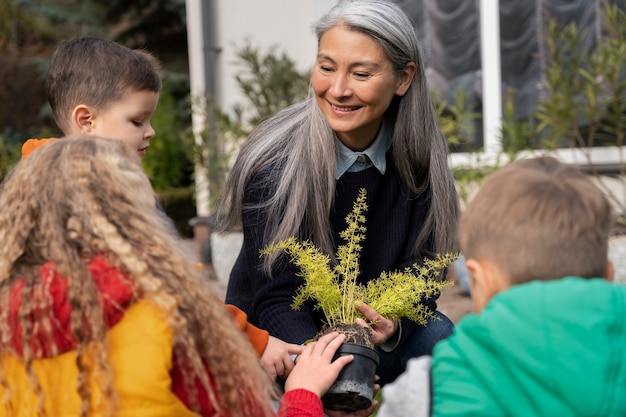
pixel 354 84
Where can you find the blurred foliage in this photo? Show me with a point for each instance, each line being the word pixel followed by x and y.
pixel 179 205
pixel 270 82
pixel 21 85
pixel 167 163
pixel 516 135
pixel 29 32
pixel 585 93
pixel 10 152
pixel 159 24
pixel 582 106
pixel 21 27
pixel 456 120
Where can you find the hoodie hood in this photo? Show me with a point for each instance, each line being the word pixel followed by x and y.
pixel 540 349
pixel 53 337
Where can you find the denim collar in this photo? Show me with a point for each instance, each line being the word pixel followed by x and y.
pixel 348 160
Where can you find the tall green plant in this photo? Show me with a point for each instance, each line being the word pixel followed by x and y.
pixel 456 120
pixel 585 102
pixel 516 135
pixel 335 289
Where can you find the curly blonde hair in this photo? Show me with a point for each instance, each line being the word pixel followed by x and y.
pixel 82 197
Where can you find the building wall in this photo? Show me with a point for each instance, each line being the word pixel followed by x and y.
pixel 286 24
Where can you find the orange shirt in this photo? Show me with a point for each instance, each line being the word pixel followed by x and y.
pixel 31 144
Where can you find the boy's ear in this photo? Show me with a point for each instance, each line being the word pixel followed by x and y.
pixel 82 118
pixel 486 280
pixel 609 275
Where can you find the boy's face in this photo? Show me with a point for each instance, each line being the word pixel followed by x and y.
pixel 127 119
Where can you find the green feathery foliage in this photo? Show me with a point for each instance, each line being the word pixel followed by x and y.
pixel 336 291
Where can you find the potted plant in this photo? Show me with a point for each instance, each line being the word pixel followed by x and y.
pixel 336 292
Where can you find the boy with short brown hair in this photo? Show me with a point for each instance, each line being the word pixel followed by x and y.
pixel 536 219
pixel 103 88
pixel 550 333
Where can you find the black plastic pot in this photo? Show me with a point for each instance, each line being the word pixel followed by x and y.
pixel 354 388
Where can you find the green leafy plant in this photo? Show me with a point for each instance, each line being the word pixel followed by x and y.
pixel 269 82
pixel 456 119
pixel 336 291
pixel 585 96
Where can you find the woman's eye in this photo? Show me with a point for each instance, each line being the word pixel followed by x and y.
pixel 325 68
pixel 361 74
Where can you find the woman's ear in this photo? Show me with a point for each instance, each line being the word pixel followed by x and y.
pixel 82 119
pixel 406 78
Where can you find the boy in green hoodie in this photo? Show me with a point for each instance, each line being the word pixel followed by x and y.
pixel 550 333
pixel 101 88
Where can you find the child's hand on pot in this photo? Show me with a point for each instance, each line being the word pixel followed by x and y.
pixel 315 370
pixel 382 329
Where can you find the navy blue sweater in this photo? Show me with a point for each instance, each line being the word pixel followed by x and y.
pixel 393 221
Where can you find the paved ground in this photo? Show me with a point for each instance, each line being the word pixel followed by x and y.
pixel 455 303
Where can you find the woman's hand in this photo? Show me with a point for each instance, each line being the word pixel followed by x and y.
pixel 315 370
pixel 382 329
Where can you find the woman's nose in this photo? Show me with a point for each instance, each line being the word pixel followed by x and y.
pixel 339 86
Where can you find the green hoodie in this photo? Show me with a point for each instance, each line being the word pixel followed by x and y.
pixel 555 348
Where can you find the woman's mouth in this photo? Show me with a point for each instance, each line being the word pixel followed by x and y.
pixel 344 109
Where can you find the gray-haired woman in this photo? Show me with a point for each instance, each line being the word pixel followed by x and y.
pixel 369 123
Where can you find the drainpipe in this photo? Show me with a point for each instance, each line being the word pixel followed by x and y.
pixel 201 87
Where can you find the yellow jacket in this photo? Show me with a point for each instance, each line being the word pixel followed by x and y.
pixel 140 346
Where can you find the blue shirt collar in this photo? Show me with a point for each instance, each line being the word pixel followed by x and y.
pixel 348 160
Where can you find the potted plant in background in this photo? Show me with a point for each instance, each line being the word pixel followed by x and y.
pixel 336 292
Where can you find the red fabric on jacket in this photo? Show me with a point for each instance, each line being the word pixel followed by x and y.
pixel 50 295
pixel 300 403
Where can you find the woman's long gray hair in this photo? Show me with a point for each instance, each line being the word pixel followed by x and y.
pixel 300 141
